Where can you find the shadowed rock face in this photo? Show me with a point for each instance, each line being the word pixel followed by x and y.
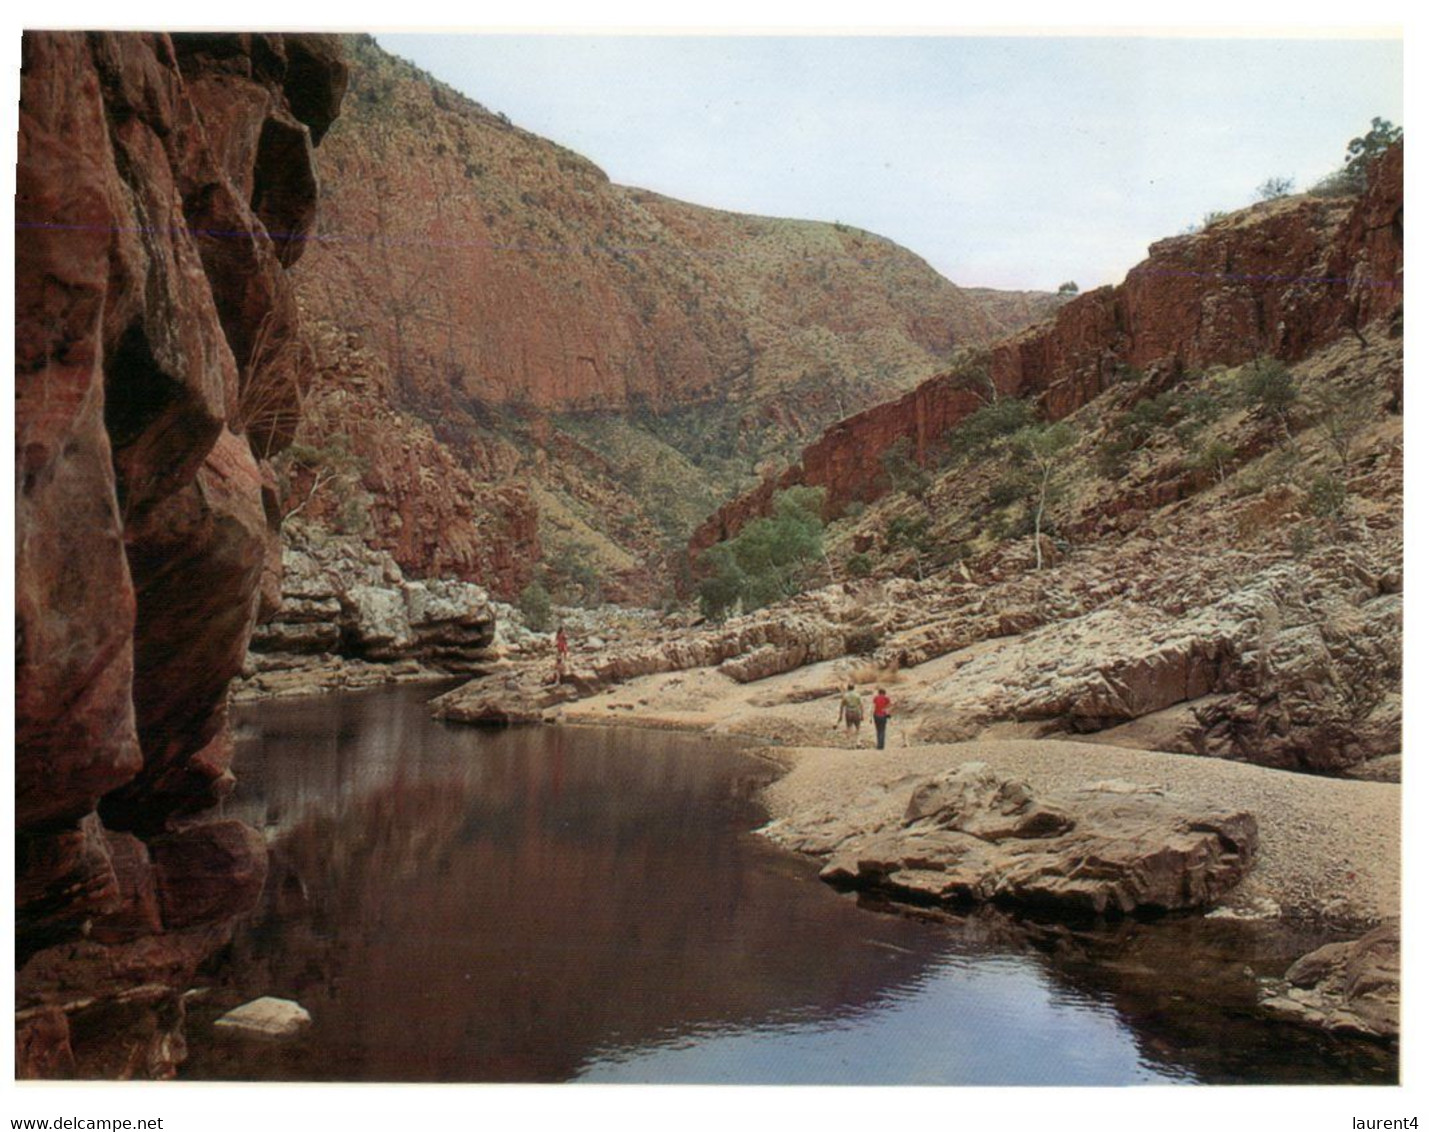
pixel 164 183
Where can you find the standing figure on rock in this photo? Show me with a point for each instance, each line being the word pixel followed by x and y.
pixel 882 709
pixel 563 653
pixel 851 712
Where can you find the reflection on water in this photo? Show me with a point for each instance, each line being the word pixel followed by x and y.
pixel 983 1021
pixel 545 904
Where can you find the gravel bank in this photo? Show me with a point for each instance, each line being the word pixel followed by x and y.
pixel 1329 848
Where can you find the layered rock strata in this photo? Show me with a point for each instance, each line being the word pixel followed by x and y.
pixel 349 618
pixel 1293 667
pixel 164 186
pixel 814 627
pixel 1151 644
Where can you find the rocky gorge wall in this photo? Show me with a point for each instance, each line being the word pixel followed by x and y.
pixel 1246 607
pixel 1282 278
pixel 440 510
pixel 485 263
pixel 593 367
pixel 164 187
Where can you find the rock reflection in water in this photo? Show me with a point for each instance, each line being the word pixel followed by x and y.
pixel 544 904
pixel 463 905
pixel 1188 986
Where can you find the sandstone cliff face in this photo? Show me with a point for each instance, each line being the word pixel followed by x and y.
pixel 441 509
pixel 1283 278
pixel 164 185
pixel 571 342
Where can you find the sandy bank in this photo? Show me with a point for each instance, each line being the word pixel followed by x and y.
pixel 1328 847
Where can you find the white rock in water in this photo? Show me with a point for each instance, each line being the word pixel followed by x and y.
pixel 265 1018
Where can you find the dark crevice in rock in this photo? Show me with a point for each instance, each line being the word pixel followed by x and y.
pixel 284 187
pixel 137 391
pixel 315 83
pixel 159 427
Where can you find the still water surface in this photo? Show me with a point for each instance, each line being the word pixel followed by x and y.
pixel 550 904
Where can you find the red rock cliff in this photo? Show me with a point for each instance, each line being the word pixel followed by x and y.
pixel 1281 278
pixel 506 295
pixel 164 184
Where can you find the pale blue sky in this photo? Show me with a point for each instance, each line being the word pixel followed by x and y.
pixel 1007 162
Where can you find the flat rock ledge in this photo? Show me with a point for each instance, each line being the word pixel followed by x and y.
pixel 1346 988
pixel 1107 848
pixel 516 693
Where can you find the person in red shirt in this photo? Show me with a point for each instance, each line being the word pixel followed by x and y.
pixel 882 709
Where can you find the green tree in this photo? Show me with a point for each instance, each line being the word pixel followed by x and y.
pixel 535 606
pixel 977 433
pixel 306 471
pixel 768 559
pixel 969 369
pixel 1133 429
pixel 1363 150
pixel 1216 457
pixel 1266 385
pixel 1273 188
pixel 1352 177
pixel 1068 288
pixel 1341 419
pixel 1042 447
pixel 1327 495
pixel 724 582
pixel 900 465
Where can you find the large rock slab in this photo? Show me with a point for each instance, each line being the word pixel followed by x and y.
pixel 810 628
pixel 1109 848
pixel 1293 664
pixel 522 694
